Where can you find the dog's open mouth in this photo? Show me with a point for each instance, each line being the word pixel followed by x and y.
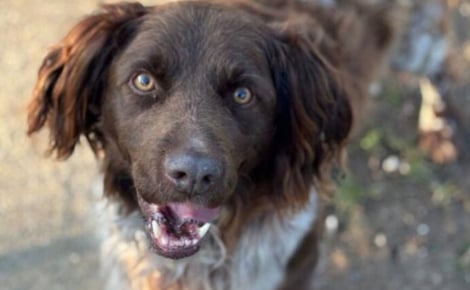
pixel 175 230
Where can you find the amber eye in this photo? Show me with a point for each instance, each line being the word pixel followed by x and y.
pixel 144 82
pixel 242 96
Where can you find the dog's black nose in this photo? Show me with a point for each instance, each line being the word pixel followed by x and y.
pixel 193 173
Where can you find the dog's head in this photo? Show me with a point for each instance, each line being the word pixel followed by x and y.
pixel 198 108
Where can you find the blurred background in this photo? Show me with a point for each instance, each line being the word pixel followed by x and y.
pixel 400 219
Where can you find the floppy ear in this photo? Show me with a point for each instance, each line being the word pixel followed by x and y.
pixel 314 116
pixel 73 75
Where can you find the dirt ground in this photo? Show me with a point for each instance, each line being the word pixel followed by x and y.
pixel 406 228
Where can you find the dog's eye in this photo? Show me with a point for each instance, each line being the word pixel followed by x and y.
pixel 144 82
pixel 242 96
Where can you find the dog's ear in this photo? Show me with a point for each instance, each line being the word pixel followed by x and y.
pixel 314 115
pixel 73 75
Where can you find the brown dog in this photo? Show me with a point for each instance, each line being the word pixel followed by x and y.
pixel 218 123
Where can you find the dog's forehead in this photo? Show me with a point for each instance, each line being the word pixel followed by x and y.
pixel 198 17
pixel 194 30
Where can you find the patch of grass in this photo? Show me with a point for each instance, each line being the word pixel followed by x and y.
pixel 398 143
pixel 463 258
pixel 381 139
pixel 371 140
pixel 420 168
pixel 392 94
pixel 349 194
pixel 444 193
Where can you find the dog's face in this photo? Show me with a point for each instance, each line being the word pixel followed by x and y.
pixel 191 103
pixel 195 106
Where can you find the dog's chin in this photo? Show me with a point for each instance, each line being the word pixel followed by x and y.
pixel 176 230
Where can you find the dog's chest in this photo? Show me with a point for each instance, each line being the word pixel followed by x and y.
pixel 265 249
pixel 258 262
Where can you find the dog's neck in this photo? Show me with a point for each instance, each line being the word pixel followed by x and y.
pixel 257 262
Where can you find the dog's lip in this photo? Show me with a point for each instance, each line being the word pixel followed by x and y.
pixel 180 211
pixel 188 211
pixel 176 230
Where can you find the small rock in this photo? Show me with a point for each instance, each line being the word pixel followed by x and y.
pixel 331 224
pixel 391 164
pixel 380 240
pixel 423 230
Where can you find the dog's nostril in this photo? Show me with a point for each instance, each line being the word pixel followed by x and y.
pixel 179 175
pixel 207 180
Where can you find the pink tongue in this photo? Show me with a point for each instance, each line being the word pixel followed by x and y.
pixel 195 212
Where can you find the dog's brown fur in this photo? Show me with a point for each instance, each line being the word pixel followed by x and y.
pixel 310 69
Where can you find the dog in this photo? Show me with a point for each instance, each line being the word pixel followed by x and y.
pixel 217 124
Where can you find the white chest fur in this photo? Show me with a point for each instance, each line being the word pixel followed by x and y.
pixel 257 263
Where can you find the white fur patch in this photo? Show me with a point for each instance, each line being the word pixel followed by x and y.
pixel 258 262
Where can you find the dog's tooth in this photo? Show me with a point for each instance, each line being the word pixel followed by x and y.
pixel 204 229
pixel 164 240
pixel 187 242
pixel 156 229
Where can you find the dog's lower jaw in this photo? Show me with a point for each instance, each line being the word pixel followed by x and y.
pixel 176 230
pixel 258 260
